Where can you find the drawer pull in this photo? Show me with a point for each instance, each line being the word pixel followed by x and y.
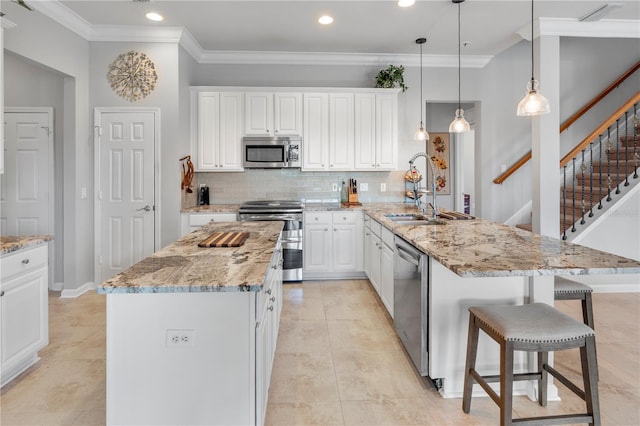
pixel 1 293
pixel 25 261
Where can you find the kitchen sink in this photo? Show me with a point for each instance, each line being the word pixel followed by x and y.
pixel 413 219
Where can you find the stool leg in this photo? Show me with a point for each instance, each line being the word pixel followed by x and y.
pixel 543 359
pixel 472 350
pixel 589 376
pixel 587 315
pixel 506 383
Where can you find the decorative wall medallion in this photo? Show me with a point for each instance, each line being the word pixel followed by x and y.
pixel 132 75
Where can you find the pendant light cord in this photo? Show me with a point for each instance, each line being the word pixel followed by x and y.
pixel 421 122
pixel 532 77
pixel 459 63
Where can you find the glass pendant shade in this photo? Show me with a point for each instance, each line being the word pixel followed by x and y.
pixel 533 102
pixel 421 134
pixel 459 124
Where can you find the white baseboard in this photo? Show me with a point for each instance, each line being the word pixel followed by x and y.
pixel 615 288
pixel 76 292
pixel 57 286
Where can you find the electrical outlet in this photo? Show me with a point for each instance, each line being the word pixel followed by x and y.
pixel 383 187
pixel 181 338
pixel 334 187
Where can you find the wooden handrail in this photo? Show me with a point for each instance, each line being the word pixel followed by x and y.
pixel 599 97
pixel 567 123
pixel 598 131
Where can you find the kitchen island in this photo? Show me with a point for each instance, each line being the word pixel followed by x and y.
pixel 479 262
pixel 191 331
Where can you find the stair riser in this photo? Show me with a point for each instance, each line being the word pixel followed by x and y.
pixel 615 179
pixel 623 154
pixel 629 141
pixel 615 167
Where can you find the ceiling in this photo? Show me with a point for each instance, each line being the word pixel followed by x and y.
pixel 360 26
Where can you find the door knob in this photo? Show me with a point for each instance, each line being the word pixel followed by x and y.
pixel 146 208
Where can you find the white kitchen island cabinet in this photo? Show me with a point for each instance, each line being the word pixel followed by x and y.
pixel 24 311
pixel 192 332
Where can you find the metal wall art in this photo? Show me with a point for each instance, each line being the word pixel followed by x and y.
pixel 132 75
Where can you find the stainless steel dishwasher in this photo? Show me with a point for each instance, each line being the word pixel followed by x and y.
pixel 411 302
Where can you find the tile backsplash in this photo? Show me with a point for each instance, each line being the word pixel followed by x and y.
pixel 283 184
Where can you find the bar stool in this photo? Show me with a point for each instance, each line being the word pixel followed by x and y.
pixel 535 327
pixel 565 289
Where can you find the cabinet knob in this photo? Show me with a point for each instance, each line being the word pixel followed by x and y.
pixel 366 233
pixel 344 218
pixel 269 291
pixel 273 299
pixel 1 293
pixel 334 229
pixel 325 229
pixel 25 261
pixel 377 165
pixel 330 165
pixel 321 165
pixel 316 218
pixel 373 165
pixel 270 308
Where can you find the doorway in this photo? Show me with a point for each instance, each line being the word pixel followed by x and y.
pixel 126 187
pixel 27 186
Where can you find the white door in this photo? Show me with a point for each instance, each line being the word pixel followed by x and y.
pixel 26 200
pixel 125 213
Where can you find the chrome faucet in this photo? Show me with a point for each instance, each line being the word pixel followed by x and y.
pixel 434 210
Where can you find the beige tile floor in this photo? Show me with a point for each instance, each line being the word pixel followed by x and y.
pixel 338 362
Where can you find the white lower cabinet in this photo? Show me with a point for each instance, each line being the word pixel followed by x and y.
pixel 24 311
pixel 379 251
pixel 333 245
pixel 193 221
pixel 220 377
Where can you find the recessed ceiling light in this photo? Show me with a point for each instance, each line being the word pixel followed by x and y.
pixel 153 16
pixel 406 3
pixel 325 20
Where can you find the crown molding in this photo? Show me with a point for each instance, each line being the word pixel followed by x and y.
pixel 136 34
pixel 7 24
pixel 564 27
pixel 65 17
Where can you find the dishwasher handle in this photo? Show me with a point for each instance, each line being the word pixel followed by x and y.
pixel 408 256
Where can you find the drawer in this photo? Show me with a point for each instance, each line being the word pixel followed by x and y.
pixel 367 220
pixel 376 227
pixel 345 217
pixel 203 219
pixel 387 238
pixel 23 261
pixel 317 218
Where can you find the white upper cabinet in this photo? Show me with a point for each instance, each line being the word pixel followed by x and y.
pixel 219 131
pixel 376 131
pixel 268 113
pixel 341 131
pixel 315 140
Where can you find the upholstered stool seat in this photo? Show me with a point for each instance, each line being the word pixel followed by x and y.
pixel 539 328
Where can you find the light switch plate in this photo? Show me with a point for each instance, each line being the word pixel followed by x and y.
pixel 364 187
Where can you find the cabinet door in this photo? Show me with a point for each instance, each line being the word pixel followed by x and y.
pixel 315 141
pixel 344 248
pixel 341 131
pixel 374 261
pixel 258 113
pixel 288 113
pixel 208 130
pixel 386 277
pixel 317 248
pixel 386 131
pixel 23 318
pixel 367 251
pixel 263 349
pixel 230 134
pixel 365 131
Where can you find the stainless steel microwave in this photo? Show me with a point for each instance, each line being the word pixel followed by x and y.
pixel 267 152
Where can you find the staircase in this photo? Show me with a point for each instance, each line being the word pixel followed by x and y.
pixel 598 168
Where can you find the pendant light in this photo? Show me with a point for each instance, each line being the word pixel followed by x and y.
pixel 533 102
pixel 459 124
pixel 421 134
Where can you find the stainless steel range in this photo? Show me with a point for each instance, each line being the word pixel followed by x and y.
pixel 291 213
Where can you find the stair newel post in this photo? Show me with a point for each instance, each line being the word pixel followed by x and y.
pixel 564 202
pixel 591 181
pixel 583 203
pixel 626 138
pixel 600 172
pixel 573 196
pixel 609 181
pixel 617 156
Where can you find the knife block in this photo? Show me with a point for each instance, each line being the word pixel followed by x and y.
pixel 353 197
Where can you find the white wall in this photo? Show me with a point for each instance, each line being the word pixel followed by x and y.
pixel 35 86
pixel 39 39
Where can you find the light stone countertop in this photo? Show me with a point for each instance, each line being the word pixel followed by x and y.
pixel 481 248
pixel 213 208
pixel 10 244
pixel 183 267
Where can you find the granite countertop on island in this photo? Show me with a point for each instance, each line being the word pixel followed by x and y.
pixel 482 248
pixel 10 244
pixel 212 208
pixel 183 267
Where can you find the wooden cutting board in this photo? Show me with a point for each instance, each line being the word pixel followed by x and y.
pixel 455 216
pixel 225 239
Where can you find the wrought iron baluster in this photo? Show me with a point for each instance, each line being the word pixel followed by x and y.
pixel 617 156
pixel 591 203
pixel 609 181
pixel 573 197
pixel 564 202
pixel 626 138
pixel 636 156
pixel 600 172
pixel 583 203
